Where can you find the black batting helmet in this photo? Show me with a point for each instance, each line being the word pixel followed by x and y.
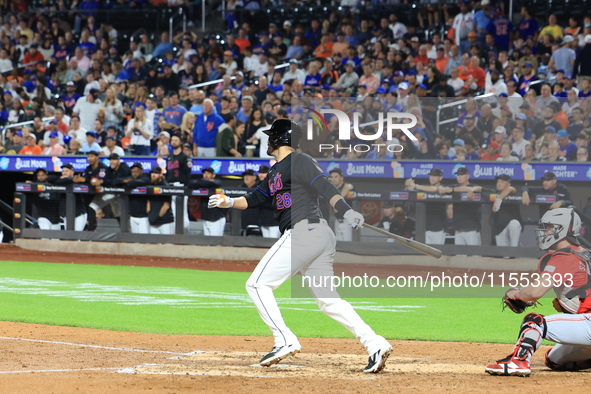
pixel 284 132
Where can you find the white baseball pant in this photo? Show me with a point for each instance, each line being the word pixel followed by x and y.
pixel 164 229
pixel 572 333
pixel 271 232
pixel 45 224
pixel 214 229
pixel 79 222
pixel 510 234
pixel 309 249
pixel 206 152
pixel 139 225
pixel 435 237
pixel 343 230
pixel 467 238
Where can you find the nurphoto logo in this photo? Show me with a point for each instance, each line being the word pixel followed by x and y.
pixel 346 125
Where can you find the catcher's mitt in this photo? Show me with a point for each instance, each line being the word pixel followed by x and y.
pixel 517 306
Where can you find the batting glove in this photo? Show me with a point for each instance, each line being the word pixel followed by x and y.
pixel 355 219
pixel 220 201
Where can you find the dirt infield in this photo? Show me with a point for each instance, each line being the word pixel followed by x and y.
pixel 47 359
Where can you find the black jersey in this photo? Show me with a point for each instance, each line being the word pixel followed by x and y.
pixel 251 217
pixel 560 191
pixel 101 172
pixel 208 214
pixel 505 214
pixel 266 212
pixel 436 213
pixel 392 225
pixel 156 204
pixel 46 205
pixel 178 168
pixel 115 177
pixel 137 202
pixel 466 214
pixel 293 186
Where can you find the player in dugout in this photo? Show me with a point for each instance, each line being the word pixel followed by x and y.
pixel 507 222
pixel 435 211
pixel 138 212
pixel 550 187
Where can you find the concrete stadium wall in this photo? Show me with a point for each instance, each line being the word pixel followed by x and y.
pixel 255 254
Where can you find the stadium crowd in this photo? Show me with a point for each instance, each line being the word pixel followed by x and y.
pixel 526 85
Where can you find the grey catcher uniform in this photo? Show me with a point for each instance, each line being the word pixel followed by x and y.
pixel 567 269
pixel 307 244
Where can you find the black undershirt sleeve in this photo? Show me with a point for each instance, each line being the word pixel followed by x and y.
pixel 310 173
pixel 260 195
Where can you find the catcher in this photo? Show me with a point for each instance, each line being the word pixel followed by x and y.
pixel 566 268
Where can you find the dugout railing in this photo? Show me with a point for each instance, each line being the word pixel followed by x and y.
pixel 232 237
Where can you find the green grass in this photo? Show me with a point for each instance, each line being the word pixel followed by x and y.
pixel 178 301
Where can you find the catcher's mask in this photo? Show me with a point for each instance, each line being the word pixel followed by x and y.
pixel 558 224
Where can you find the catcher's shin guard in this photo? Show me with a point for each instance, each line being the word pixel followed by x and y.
pixel 533 329
pixel 535 321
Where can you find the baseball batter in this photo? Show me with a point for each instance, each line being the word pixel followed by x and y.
pixel 307 244
pixel 566 268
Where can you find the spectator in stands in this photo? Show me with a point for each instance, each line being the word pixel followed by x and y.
pixel 54 148
pixel 470 129
pixel 164 46
pixel 88 108
pixel 140 130
pixel 29 113
pixel 31 148
pixel 582 64
pixel 111 147
pixel 17 143
pixel 519 143
pixel 564 57
pixel 527 77
pixel 528 26
pixel 172 115
pixel 491 151
pixel 246 111
pixel 582 154
pixel 567 147
pixel 585 87
pixel 552 29
pixel 506 153
pixel 91 144
pixel 206 128
pixel 463 24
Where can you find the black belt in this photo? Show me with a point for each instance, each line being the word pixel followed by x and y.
pixel 310 221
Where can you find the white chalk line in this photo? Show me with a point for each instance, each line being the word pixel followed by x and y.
pixel 59 370
pixel 173 297
pixel 125 349
pixel 133 370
